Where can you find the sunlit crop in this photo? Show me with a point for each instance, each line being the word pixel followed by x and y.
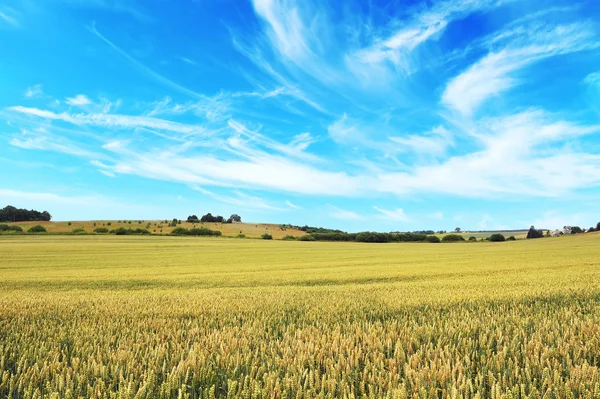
pixel 183 317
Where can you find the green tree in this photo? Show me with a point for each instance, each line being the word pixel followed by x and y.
pixel 497 237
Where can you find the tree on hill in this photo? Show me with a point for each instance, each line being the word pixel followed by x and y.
pixel 533 233
pixel 235 218
pixel 576 230
pixel 12 214
pixel 209 218
pixel 193 219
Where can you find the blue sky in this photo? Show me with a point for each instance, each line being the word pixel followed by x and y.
pixel 481 114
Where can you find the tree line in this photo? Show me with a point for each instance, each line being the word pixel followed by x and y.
pixel 209 218
pixel 12 214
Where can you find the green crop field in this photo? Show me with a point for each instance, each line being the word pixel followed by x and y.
pixel 183 317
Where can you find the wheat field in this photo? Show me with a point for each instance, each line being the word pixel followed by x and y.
pixel 173 317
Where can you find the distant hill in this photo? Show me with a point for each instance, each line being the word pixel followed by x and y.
pixel 250 230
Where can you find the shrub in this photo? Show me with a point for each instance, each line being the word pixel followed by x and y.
pixel 109 224
pixel 78 230
pixel 307 237
pixel 37 229
pixel 122 231
pixel 511 238
pixel 6 227
pixel 240 236
pixel 433 239
pixel 497 237
pixel 94 224
pixel 101 230
pixel 202 231
pixel 533 233
pixel 453 238
pixel 472 238
pixel 69 223
pixel 266 236
pixel 371 236
pixel 179 231
pixel 289 237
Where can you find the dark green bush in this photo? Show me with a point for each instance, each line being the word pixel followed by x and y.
pixel 372 236
pixel 202 231
pixel 37 229
pixel 289 237
pixel 101 230
pixel 307 237
pixel 472 238
pixel 78 230
pixel 122 231
pixel 179 231
pixel 10 228
pixel 497 237
pixel 266 236
pixel 453 238
pixel 433 239
pixel 240 236
pixel 511 238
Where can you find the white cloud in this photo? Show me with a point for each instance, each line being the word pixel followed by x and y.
pixel 343 214
pixel 240 199
pixel 34 91
pixel 592 79
pixel 302 141
pixel 44 143
pixel 112 120
pixel 9 195
pixel 291 205
pixel 494 73
pixel 107 173
pixel 553 220
pixel 9 16
pixel 78 100
pixel 435 142
pixel 396 215
pixel 287 30
pixel 526 154
pixel 188 61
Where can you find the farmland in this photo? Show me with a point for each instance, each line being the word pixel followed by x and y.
pixel 250 230
pixel 168 317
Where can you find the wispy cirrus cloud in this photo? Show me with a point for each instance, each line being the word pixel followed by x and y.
pixel 519 48
pixel 240 200
pixel 9 16
pixel 343 214
pixel 396 215
pixel 78 100
pixel 34 91
pixel 112 120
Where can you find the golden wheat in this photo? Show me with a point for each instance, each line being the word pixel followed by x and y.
pixel 166 317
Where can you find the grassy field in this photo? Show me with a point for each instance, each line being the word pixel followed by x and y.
pixel 486 234
pixel 250 230
pixel 170 317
